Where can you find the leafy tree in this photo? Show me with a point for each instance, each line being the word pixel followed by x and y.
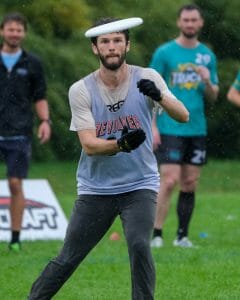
pixel 56 34
pixel 58 18
pixel 220 31
pixel 221 26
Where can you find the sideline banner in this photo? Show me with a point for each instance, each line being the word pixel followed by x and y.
pixel 43 217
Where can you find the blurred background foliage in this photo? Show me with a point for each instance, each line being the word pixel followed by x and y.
pixel 56 35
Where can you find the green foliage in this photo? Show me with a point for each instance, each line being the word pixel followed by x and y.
pixel 15 4
pixel 221 31
pixel 56 35
pixel 223 117
pixel 221 26
pixel 59 18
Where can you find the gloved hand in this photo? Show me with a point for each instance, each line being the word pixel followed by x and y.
pixel 130 140
pixel 148 88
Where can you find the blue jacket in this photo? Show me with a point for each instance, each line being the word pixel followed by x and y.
pixel 19 88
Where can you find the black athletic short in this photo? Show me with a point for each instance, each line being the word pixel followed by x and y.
pixel 182 150
pixel 16 154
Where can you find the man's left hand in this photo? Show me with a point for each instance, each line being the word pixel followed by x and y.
pixel 204 73
pixel 148 88
pixel 44 132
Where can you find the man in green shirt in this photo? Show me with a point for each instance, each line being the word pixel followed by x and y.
pixel 189 69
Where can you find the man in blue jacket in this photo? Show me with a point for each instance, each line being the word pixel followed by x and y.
pixel 22 84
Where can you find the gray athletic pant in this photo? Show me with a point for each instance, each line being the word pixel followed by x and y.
pixel 91 218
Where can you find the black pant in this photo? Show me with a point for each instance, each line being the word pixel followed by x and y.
pixel 91 218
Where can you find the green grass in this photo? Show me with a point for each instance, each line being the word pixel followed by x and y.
pixel 209 271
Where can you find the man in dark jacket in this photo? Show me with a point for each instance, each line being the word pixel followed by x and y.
pixel 21 84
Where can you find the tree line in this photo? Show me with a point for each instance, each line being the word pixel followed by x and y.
pixel 56 35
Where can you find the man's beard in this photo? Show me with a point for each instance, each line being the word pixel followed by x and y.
pixel 113 66
pixel 190 35
pixel 12 45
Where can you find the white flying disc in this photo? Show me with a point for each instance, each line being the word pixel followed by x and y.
pixel 114 26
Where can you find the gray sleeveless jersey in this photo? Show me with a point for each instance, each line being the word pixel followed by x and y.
pixel 123 172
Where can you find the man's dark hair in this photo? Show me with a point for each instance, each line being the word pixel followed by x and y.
pixel 14 17
pixel 189 7
pixel 107 20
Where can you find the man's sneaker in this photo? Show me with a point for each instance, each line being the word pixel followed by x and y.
pixel 156 242
pixel 15 247
pixel 183 242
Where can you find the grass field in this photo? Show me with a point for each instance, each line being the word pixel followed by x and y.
pixel 209 271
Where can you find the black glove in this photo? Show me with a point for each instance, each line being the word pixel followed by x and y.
pixel 131 140
pixel 148 88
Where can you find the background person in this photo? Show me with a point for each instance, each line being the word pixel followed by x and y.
pixel 189 69
pixel 233 94
pixel 22 83
pixel 117 172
